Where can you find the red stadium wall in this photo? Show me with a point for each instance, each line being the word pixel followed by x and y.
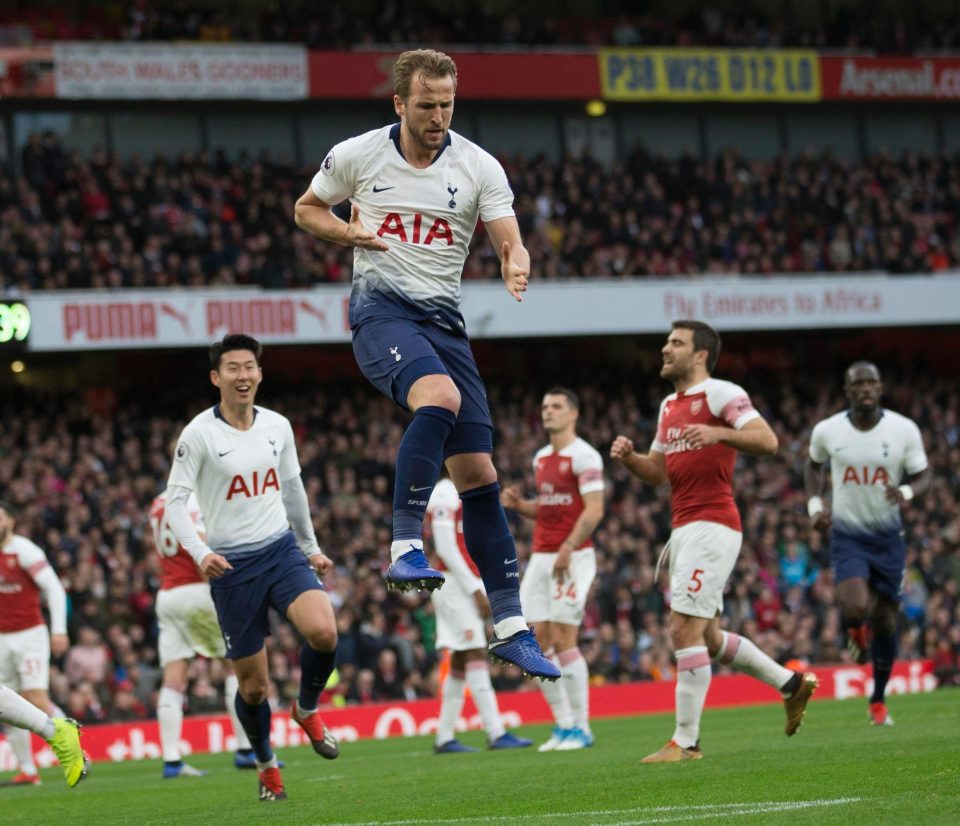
pixel 138 741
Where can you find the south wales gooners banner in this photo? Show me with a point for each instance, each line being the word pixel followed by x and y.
pixel 144 71
pixel 789 75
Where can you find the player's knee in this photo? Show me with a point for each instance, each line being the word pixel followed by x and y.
pixel 254 692
pixel 854 613
pixel 322 639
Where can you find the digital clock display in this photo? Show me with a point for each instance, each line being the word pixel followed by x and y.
pixel 14 322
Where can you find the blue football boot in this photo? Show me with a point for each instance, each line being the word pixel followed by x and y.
pixel 412 572
pixel 510 741
pixel 523 651
pixel 453 747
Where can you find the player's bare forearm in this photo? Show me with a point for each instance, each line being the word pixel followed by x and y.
pixel 920 482
pixel 316 217
pixel 812 478
pixel 320 222
pixel 514 258
pixel 527 508
pixel 755 438
pixel 511 499
pixel 646 469
pixel 588 520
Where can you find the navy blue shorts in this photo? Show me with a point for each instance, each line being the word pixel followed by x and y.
pixel 242 606
pixel 394 352
pixel 879 560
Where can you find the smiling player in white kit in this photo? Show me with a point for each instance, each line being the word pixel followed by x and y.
pixel 260 550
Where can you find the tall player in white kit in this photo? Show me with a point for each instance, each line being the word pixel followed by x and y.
pixel 260 549
pixel 188 627
pixel 461 608
pixel 556 583
pixel 877 465
pixel 700 428
pixel 417 190
pixel 25 642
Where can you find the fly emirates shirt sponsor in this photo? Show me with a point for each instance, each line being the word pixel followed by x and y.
pixel 701 481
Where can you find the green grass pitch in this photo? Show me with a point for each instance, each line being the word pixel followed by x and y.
pixel 837 769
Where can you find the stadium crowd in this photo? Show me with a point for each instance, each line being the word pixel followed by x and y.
pixel 83 479
pixel 202 220
pixel 494 23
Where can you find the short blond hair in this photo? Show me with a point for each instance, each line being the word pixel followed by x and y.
pixel 427 63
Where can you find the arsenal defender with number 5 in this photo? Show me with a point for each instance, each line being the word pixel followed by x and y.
pixel 699 431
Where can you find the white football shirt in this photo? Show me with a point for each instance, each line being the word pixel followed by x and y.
pixel 426 216
pixel 236 476
pixel 861 461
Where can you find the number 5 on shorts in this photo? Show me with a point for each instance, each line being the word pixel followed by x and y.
pixel 695 583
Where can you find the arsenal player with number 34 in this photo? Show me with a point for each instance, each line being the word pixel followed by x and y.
pixel 701 427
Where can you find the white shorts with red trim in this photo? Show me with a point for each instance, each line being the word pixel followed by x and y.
pixel 188 624
pixel 25 659
pixel 544 598
pixel 702 556
pixel 459 624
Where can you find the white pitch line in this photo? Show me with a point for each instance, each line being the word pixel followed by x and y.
pixel 707 810
pixel 735 809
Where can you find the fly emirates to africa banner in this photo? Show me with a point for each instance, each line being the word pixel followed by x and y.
pixel 139 741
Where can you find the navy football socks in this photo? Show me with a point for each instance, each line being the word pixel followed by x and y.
pixel 883 651
pixel 418 468
pixel 256 723
pixel 315 670
pixel 491 545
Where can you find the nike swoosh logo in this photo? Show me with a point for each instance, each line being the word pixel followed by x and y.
pixel 224 453
pixel 417 490
pixel 383 188
pixel 509 561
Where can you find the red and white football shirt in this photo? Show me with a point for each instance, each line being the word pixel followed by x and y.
pixel 20 562
pixel 701 480
pixel 176 564
pixel 562 477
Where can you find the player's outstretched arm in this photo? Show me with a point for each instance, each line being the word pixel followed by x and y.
pixel 650 468
pixel 514 259
pixel 317 218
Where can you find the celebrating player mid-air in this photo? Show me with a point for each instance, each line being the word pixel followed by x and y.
pixel 699 431
pixel 870 450
pixel 417 189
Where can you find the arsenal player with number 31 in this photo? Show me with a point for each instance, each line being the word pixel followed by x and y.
pixel 699 431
